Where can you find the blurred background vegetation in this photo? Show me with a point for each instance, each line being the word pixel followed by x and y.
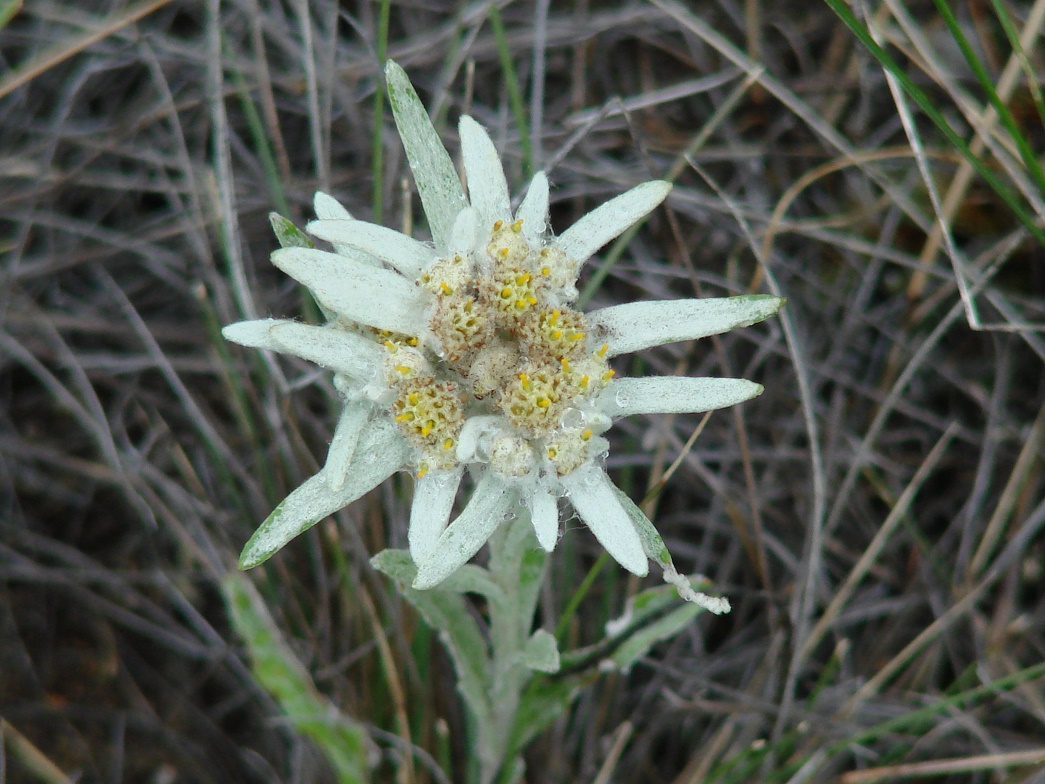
pixel 875 517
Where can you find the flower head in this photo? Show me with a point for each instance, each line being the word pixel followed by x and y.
pixel 470 353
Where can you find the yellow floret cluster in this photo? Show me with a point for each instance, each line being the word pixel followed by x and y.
pixel 503 341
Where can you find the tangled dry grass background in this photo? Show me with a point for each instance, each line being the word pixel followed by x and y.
pixel 875 517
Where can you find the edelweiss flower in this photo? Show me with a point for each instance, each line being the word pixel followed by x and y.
pixel 469 354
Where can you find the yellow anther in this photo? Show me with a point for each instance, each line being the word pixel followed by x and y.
pixel 584 382
pixel 503 253
pixel 602 351
pixel 565 365
pixel 521 279
pixel 520 304
pixel 543 402
pixel 422 470
pixel 586 435
pixel 554 318
pixel 609 374
pixel 552 452
pixel 546 270
pixel 413 398
pixel 497 225
pixel 506 292
pixel 556 334
pixel 544 252
pixel 532 300
pixel 411 341
pixel 390 345
pixel 406 416
pixel 446 288
pixel 517 226
pixel 448 444
pixel 525 379
pixel 427 428
pixel 576 336
pixel 404 369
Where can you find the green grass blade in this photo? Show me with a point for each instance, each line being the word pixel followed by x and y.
pixel 1004 115
pixel 1017 47
pixel 377 148
pixel 515 98
pixel 920 97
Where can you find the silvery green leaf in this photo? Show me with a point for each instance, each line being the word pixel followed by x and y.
pixel 649 617
pixel 437 182
pixel 658 552
pixel 637 325
pixel 447 613
pixel 342 740
pixel 359 292
pixel 380 453
pixel 611 219
pixel 591 493
pixel 287 234
pixel 399 251
pixel 673 395
pixel 541 652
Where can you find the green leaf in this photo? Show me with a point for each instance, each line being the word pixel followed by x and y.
pixel 288 235
pixel 437 182
pixel 342 740
pixel 380 453
pixel 647 620
pixel 543 701
pixel 447 613
pixel 541 652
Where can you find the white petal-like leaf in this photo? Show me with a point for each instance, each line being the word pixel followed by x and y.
pixel 434 173
pixel 592 494
pixel 327 207
pixel 673 395
pixel 638 325
pixel 533 211
pixel 487 187
pixel 611 219
pixel 337 349
pixel 381 452
pixel 399 251
pixel 433 499
pixel 254 334
pixel 544 513
pixel 381 298
pixel 354 417
pixel 465 232
pixel 491 501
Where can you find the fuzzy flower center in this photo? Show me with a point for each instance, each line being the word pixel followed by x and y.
pixel 504 344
